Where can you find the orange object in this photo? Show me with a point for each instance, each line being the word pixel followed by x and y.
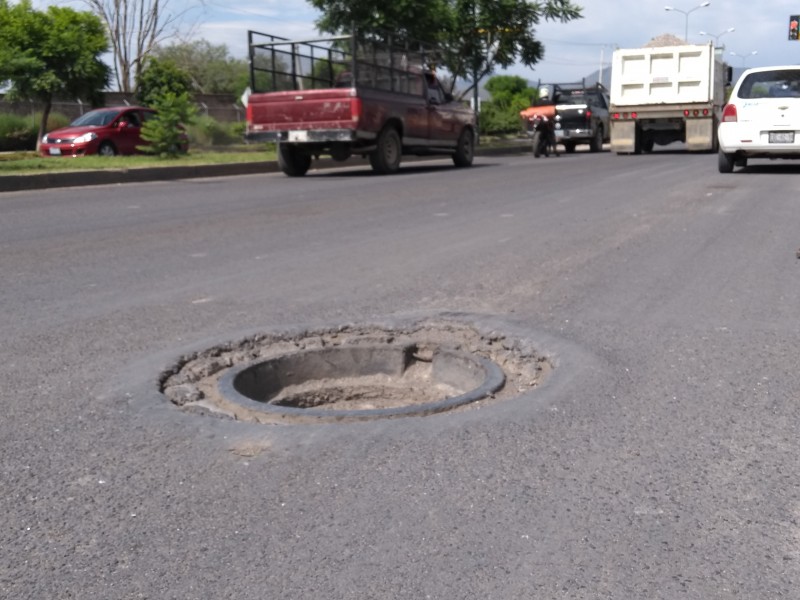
pixel 547 110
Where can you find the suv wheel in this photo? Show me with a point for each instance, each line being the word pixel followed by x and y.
pixel 596 144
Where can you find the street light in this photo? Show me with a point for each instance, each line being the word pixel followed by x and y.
pixel 719 35
pixel 744 57
pixel 686 13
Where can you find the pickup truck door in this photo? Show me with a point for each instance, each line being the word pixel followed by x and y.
pixel 444 123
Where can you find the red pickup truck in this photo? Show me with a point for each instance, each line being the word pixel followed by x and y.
pixel 348 96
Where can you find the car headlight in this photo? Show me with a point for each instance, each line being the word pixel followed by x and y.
pixel 44 139
pixel 86 137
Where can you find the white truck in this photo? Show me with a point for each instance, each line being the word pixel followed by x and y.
pixel 666 94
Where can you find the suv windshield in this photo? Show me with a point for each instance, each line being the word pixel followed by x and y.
pixel 784 83
pixel 95 117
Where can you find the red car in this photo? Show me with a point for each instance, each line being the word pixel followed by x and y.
pixel 104 131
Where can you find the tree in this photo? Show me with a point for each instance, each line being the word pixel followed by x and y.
pixel 50 54
pixel 418 19
pixel 477 35
pixel 510 95
pixel 165 130
pixel 211 68
pixel 135 28
pixel 160 77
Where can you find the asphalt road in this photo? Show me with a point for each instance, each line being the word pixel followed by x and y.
pixel 658 460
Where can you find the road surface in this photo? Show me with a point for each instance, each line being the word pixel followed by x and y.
pixel 658 460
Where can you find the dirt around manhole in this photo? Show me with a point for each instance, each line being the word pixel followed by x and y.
pixel 193 383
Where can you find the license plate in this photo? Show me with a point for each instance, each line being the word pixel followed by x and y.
pixel 298 136
pixel 781 137
pixel 55 151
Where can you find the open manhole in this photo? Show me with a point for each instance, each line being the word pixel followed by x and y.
pixel 353 373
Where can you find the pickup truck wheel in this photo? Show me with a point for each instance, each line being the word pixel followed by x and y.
pixel 465 151
pixel 569 147
pixel 293 161
pixel 385 159
pixel 726 162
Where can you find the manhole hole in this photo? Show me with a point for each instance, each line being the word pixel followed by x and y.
pixel 353 373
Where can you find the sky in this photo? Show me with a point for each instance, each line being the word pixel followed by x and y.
pixel 572 50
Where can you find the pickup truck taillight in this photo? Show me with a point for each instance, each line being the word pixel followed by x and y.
pixel 355 109
pixel 729 114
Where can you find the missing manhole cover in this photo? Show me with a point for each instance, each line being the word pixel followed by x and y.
pixel 353 373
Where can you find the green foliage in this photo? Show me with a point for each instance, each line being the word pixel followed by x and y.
pixel 510 95
pixel 165 132
pixel 159 78
pixel 19 132
pixel 418 19
pixel 207 131
pixel 477 35
pixel 45 54
pixel 210 68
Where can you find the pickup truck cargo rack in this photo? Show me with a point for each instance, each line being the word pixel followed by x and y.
pixel 376 60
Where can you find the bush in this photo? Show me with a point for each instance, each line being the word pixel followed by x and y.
pixel 19 132
pixel 207 131
pixel 165 131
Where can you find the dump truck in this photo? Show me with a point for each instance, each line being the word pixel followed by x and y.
pixel 665 94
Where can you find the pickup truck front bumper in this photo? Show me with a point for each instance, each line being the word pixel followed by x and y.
pixel 304 136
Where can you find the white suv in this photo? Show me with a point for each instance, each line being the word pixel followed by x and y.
pixel 762 117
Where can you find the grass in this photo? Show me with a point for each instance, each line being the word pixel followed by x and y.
pixel 27 163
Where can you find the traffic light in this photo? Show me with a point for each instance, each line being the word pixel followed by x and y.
pixel 794 20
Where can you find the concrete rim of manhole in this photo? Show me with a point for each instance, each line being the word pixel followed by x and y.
pixel 354 373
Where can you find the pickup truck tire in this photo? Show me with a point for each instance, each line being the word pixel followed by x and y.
pixel 293 161
pixel 465 151
pixel 385 159
pixel 569 147
pixel 596 143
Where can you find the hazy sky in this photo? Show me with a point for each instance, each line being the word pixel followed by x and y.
pixel 573 50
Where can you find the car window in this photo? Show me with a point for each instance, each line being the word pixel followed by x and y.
pixel 132 118
pixel 435 92
pixel 771 84
pixel 95 117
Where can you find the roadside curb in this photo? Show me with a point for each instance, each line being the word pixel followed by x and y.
pixel 17 183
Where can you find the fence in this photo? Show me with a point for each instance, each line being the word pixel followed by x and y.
pixel 225 108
